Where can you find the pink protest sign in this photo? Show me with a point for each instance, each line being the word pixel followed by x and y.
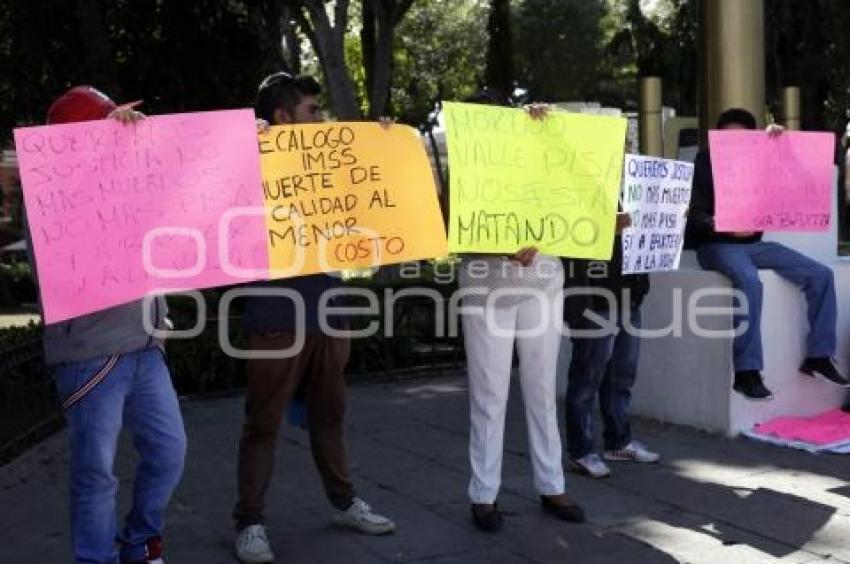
pixel 772 183
pixel 117 211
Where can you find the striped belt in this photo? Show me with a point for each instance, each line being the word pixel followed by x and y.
pixel 90 384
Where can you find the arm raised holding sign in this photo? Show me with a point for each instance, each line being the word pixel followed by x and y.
pixel 290 317
pixel 109 371
pixel 517 297
pixel 739 256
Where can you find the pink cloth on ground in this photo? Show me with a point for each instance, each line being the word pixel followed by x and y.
pixel 827 428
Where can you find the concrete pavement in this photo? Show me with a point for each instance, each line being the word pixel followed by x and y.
pixel 711 500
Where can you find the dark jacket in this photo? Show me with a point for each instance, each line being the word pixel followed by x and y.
pixel 606 275
pixel 269 314
pixel 700 227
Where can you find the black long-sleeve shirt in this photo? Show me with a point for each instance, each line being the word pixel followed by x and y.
pixel 700 227
pixel 603 275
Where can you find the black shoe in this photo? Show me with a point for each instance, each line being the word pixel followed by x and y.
pixel 569 511
pixel 749 384
pixel 487 517
pixel 846 408
pixel 824 368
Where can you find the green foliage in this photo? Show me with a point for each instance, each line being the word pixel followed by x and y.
pixel 807 44
pixel 13 337
pixel 17 271
pixel 176 55
pixel 439 52
pixel 27 393
pixel 559 47
pixel 24 380
pixel 16 284
pixel 354 60
pixel 661 44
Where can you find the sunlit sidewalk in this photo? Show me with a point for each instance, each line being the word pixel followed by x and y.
pixel 711 500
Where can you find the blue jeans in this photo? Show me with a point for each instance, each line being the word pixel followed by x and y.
pixel 607 367
pixel 135 392
pixel 740 263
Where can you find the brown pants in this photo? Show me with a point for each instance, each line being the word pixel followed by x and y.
pixel 271 385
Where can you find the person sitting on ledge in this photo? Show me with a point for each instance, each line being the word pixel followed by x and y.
pixel 738 256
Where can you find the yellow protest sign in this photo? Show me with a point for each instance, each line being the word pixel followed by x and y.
pixel 516 182
pixel 342 196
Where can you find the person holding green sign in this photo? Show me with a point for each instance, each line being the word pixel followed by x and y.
pixel 513 300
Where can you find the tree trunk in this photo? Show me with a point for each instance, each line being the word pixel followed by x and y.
pixel 329 44
pixel 379 34
pixel 499 70
pixel 267 17
pixel 291 42
pixel 367 44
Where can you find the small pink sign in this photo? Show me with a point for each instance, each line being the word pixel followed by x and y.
pixel 772 183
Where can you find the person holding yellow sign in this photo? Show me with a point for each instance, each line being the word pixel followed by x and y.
pixel 511 300
pixel 274 324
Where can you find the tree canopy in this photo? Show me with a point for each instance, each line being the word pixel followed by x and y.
pixel 395 57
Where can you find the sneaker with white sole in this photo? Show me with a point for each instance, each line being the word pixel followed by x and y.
pixel 591 465
pixel 252 545
pixel 634 451
pixel 360 517
pixel 153 553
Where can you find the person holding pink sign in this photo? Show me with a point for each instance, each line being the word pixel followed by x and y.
pixel 111 373
pixel 739 255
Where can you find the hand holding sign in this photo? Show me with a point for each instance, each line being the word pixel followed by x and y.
pixel 656 195
pixel 771 182
pixel 346 196
pixel 518 181
pixel 117 211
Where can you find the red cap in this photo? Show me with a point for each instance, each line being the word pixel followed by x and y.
pixel 81 103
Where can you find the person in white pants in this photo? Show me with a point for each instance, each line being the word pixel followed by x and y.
pixel 506 300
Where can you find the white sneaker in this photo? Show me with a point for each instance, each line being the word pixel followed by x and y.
pixel 252 545
pixel 591 465
pixel 633 451
pixel 361 518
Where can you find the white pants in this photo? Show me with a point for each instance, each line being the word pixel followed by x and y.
pixel 489 354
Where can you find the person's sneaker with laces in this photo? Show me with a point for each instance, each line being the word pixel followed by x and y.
pixel 591 465
pixel 360 517
pixel 153 553
pixel 634 451
pixel 823 367
pixel 252 545
pixel 749 383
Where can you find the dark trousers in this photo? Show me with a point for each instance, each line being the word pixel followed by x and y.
pixel 318 368
pixel 605 367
